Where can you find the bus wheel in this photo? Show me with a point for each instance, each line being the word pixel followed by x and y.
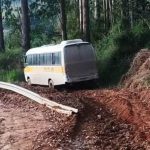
pixel 29 81
pixel 51 84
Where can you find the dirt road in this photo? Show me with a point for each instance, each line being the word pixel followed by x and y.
pixel 25 125
pixel 19 127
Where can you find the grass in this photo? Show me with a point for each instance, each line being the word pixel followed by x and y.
pixel 12 76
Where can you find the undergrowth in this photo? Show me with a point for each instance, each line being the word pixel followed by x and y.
pixel 116 51
pixel 11 76
pixel 11 65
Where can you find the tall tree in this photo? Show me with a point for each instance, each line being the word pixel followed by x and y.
pixel 2 47
pixel 125 14
pixel 97 9
pixel 81 16
pixel 86 22
pixel 63 19
pixel 25 25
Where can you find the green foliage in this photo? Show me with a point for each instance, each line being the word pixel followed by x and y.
pixel 12 76
pixel 11 14
pixel 10 60
pixel 44 8
pixel 11 64
pixel 72 20
pixel 44 21
pixel 12 40
pixel 39 39
pixel 115 51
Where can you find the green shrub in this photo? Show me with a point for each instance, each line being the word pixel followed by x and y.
pixel 11 64
pixel 13 40
pixel 12 76
pixel 116 50
pixel 11 60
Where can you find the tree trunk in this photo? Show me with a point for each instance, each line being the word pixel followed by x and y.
pixel 105 14
pixel 97 10
pixel 25 26
pixel 111 12
pixel 63 19
pixel 2 47
pixel 81 17
pixel 108 14
pixel 125 13
pixel 86 30
pixel 131 12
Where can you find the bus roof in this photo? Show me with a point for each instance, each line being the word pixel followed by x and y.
pixel 54 48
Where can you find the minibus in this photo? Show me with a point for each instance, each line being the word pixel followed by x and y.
pixel 68 62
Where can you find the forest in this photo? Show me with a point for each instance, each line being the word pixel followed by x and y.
pixel 114 114
pixel 118 29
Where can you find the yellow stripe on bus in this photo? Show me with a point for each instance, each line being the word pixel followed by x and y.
pixel 53 69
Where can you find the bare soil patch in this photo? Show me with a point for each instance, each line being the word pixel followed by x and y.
pixel 138 75
pixel 107 119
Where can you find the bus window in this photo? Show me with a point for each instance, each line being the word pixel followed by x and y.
pixel 41 59
pixel 29 60
pixel 53 58
pixel 49 58
pixel 38 59
pixel 56 58
pixel 86 52
pixel 34 59
pixel 72 54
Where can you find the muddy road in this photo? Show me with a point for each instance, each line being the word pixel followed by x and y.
pixel 107 119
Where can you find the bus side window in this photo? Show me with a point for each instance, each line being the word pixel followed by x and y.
pixel 44 62
pixel 34 59
pixel 56 58
pixel 53 58
pixel 29 60
pixel 38 59
pixel 45 59
pixel 41 59
pixel 49 58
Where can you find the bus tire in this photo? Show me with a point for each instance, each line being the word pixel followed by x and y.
pixel 50 84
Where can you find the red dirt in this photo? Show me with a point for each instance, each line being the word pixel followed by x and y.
pixel 107 119
pixel 138 75
pixel 131 106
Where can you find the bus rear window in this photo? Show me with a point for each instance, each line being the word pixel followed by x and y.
pixel 79 53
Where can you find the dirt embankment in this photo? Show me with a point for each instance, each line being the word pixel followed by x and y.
pixel 138 75
pixel 107 119
pixel 132 106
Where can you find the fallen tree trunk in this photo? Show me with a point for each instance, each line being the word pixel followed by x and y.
pixel 36 97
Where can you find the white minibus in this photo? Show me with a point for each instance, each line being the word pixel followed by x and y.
pixel 68 62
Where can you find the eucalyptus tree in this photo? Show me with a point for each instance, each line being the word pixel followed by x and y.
pixel 81 16
pixel 2 47
pixel 45 21
pixel 25 25
pixel 63 19
pixel 86 21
